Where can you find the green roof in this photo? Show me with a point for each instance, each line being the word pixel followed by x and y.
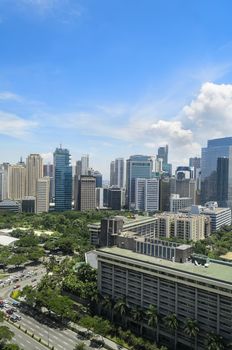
pixel 216 271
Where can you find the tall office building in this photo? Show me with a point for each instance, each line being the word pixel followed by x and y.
pixel 112 173
pixel 34 171
pixel 42 197
pixel 163 154
pixel 98 177
pixel 222 181
pixel 147 194
pixel 78 168
pixel 16 181
pixel 115 198
pixel 48 170
pixel 4 187
pixel 195 163
pixel 84 164
pixel 63 180
pixel 137 166
pixel 119 172
pixel 217 148
pixel 86 196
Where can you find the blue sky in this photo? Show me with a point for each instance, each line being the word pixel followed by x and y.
pixel 114 78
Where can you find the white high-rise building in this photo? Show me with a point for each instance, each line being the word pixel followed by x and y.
pixel 34 171
pixel 42 198
pixel 119 173
pixel 16 181
pixel 177 202
pixel 84 164
pixel 147 194
pixel 4 181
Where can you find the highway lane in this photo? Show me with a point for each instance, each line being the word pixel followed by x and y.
pixel 23 340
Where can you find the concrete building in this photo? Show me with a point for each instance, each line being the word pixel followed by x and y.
pixel 34 171
pixel 10 205
pixel 195 163
pixel 219 217
pixel 28 204
pixel 99 198
pixel 147 194
pixel 196 289
pixel 104 232
pixel 182 226
pixel 112 173
pixel 86 196
pixel 177 203
pixel 16 181
pixel 115 195
pixel 84 164
pixel 42 198
pixel 119 173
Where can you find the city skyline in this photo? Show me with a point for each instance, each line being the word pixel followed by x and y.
pixel 89 75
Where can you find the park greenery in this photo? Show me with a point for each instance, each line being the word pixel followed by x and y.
pixel 68 292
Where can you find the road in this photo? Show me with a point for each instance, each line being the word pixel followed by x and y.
pixel 61 339
pixel 23 340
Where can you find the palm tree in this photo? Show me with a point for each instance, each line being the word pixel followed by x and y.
pixel 171 323
pixel 153 319
pixel 191 329
pixel 108 304
pixel 121 308
pixel 137 315
pixel 214 342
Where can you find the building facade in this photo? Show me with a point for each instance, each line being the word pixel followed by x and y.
pixel 138 166
pixel 147 194
pixel 34 171
pixel 16 181
pixel 42 198
pixel 177 203
pixel 63 180
pixel 86 196
pixel 189 290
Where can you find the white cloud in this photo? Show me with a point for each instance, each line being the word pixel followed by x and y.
pixel 7 95
pixel 47 157
pixel 15 126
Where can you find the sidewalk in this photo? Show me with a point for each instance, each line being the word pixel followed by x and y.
pixel 109 344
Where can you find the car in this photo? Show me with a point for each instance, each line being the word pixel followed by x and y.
pixel 18 317
pixel 9 311
pixel 17 286
pixel 14 318
pixel 16 303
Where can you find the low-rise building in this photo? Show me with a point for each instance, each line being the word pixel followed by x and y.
pixel 196 289
pixel 219 216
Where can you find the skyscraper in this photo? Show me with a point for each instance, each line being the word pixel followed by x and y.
pixel 195 163
pixel 222 181
pixel 137 166
pixel 119 172
pixel 84 164
pixel 17 181
pixel 147 194
pixel 163 154
pixel 63 180
pixel 42 198
pixel 98 177
pixel 34 171
pixel 112 173
pixel 86 196
pixel 212 174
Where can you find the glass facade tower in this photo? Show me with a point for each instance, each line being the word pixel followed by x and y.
pixel 63 180
pixel 137 166
pixel 216 171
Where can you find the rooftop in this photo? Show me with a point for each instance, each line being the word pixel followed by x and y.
pixel 7 240
pixel 215 271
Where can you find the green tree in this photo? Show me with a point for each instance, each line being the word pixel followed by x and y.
pixel 153 319
pixel 137 315
pixel 171 323
pixel 122 309
pixel 5 335
pixel 214 342
pixel 11 347
pixel 191 329
pixel 108 305
pixel 80 346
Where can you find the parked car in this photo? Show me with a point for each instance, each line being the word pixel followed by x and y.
pixel 14 318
